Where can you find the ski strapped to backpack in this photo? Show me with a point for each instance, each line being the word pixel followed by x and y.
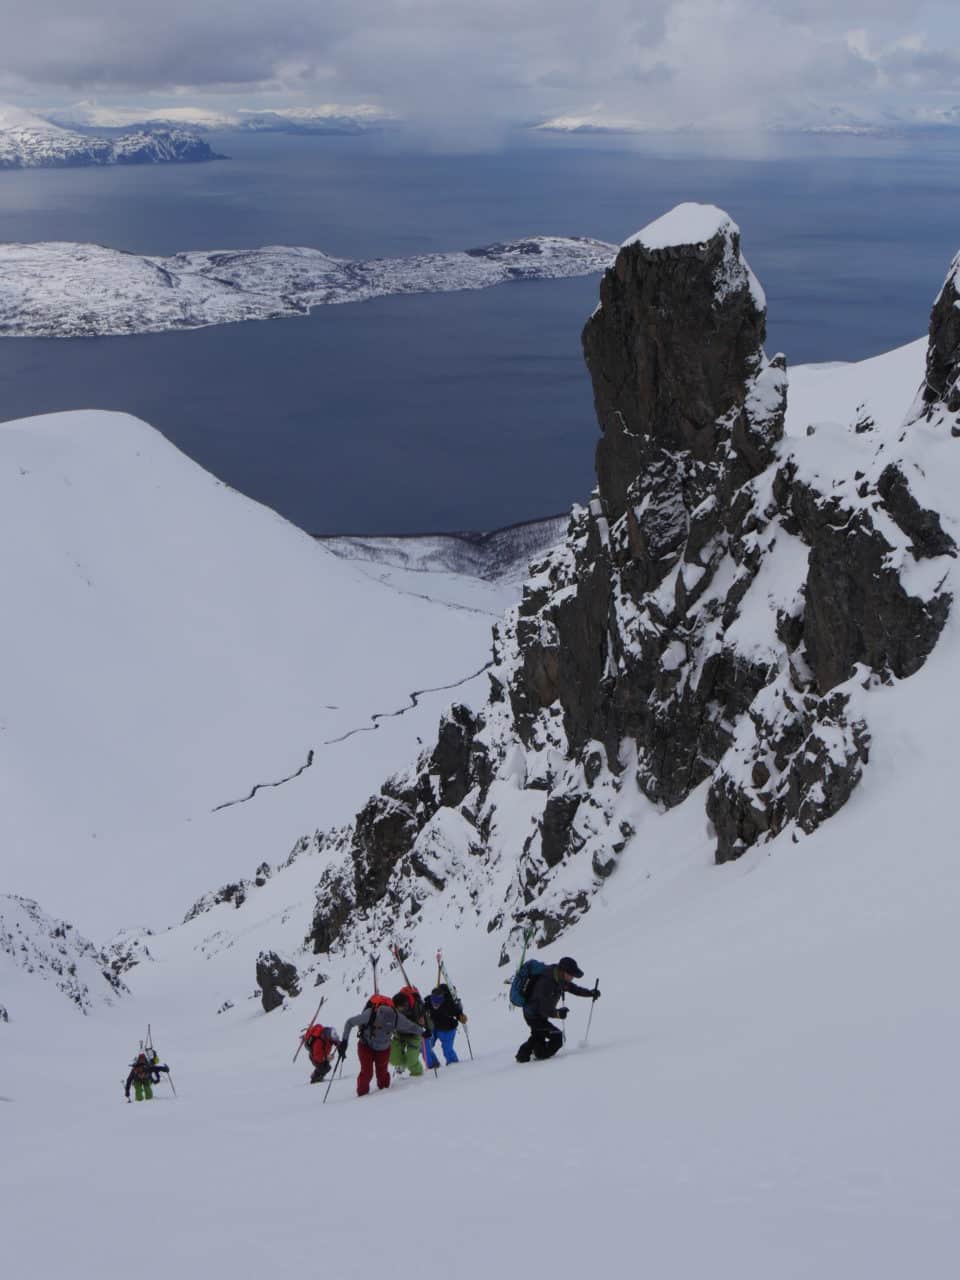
pixel 443 976
pixel 308 1028
pixel 523 980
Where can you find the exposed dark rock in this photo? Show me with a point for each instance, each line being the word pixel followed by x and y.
pixel 921 526
pixel 942 382
pixel 857 609
pixel 458 760
pixel 274 978
pixel 556 827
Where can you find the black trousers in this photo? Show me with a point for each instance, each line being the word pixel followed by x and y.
pixel 545 1039
pixel 319 1072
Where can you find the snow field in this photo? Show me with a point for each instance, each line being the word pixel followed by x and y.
pixel 769 1090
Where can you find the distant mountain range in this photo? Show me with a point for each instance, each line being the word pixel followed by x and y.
pixel 807 118
pixel 28 141
pixel 329 118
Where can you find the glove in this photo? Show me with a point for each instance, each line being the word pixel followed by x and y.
pixel 463 1017
pixel 341 1050
pixel 561 1014
pixel 595 995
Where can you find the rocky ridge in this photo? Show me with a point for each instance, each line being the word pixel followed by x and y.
pixel 712 623
pixel 54 951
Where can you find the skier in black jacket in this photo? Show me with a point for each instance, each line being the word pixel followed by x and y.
pixel 447 1013
pixel 541 1005
pixel 142 1074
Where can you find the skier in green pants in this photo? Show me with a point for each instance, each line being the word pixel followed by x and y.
pixel 406 1051
pixel 140 1077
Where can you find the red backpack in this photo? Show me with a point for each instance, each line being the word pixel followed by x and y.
pixel 318 1040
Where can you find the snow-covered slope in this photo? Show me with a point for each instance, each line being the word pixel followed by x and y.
pixel 768 1089
pixel 169 645
pixel 64 290
pixel 29 141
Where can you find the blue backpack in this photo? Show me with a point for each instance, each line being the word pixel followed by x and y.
pixel 523 981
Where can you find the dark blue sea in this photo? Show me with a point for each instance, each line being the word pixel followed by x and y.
pixel 473 410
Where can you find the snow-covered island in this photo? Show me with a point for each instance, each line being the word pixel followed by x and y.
pixel 64 290
pixel 28 141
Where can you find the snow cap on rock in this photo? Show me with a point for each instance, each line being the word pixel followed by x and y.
pixel 697 224
pixel 687 223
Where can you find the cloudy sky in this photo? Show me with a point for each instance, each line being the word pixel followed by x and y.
pixel 445 63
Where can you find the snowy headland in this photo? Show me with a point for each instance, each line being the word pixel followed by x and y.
pixel 64 290
pixel 28 141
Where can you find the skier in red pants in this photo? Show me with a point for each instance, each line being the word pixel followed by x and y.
pixel 378 1020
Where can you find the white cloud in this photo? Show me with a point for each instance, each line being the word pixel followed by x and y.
pixel 485 64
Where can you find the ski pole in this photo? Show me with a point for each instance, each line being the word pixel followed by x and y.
pixel 307 1028
pixel 172 1086
pixel 333 1075
pixel 593 1005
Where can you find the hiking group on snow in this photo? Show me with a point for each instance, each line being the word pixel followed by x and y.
pixel 402 1031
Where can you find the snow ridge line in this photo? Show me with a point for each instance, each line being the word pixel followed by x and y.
pixel 415 697
pixel 261 785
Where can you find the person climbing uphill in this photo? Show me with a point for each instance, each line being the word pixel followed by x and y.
pixel 540 1002
pixel 447 1014
pixel 377 1023
pixel 406 1050
pixel 321 1044
pixel 142 1074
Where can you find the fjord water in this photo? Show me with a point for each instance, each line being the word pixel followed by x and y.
pixel 472 410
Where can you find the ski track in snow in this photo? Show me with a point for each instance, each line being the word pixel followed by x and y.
pixel 227 804
pixel 415 697
pixel 377 716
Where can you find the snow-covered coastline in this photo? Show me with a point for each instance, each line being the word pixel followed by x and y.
pixel 65 290
pixel 28 141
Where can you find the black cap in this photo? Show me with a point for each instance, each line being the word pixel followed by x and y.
pixel 570 966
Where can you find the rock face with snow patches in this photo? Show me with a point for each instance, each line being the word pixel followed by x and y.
pixel 714 618
pixel 54 951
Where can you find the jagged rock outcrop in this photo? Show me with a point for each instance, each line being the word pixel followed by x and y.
pixel 391 822
pixel 276 977
pixel 941 387
pixel 236 893
pixel 54 951
pixel 715 617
